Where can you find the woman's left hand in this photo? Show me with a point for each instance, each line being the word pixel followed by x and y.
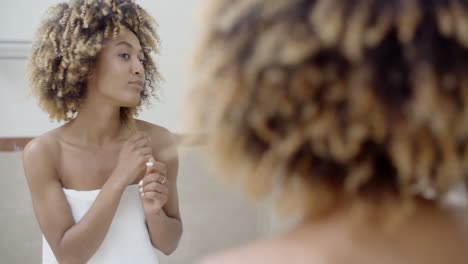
pixel 154 187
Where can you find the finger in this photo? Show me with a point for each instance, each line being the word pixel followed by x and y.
pixel 137 136
pixel 155 196
pixel 149 165
pixel 155 187
pixel 142 142
pixel 148 178
pixel 146 151
pixel 154 177
pixel 164 181
pixel 159 167
pixel 161 179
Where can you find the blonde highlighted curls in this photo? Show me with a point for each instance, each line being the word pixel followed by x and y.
pixel 66 46
pixel 327 100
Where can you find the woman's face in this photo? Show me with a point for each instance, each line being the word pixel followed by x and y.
pixel 119 74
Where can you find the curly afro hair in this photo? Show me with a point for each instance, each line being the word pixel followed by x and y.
pixel 332 100
pixel 66 46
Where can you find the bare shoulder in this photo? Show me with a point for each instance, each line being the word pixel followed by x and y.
pixel 162 141
pixel 159 135
pixel 45 146
pixel 266 251
pixel 41 152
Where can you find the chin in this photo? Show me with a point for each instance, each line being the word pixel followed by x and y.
pixel 130 102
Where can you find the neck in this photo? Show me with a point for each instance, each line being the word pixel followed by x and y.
pixel 97 123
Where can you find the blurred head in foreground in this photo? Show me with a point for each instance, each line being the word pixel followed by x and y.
pixel 326 102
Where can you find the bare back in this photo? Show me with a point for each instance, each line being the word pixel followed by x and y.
pixel 429 238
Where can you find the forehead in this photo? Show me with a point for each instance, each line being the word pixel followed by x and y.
pixel 127 36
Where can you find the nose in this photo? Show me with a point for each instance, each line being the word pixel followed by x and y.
pixel 137 67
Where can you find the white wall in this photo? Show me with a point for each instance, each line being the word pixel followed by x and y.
pixel 201 196
pixel 19 114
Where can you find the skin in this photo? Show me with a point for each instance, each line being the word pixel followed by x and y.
pixel 96 151
pixel 431 236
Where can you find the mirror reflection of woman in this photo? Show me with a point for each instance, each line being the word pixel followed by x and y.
pixel 351 114
pixel 101 188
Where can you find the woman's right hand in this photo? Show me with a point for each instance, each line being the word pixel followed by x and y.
pixel 133 156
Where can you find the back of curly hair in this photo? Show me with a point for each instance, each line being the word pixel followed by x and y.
pixel 67 43
pixel 332 100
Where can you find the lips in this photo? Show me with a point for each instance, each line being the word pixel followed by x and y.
pixel 141 84
pixel 138 85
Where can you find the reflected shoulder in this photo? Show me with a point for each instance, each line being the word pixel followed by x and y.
pixel 43 146
pixel 159 135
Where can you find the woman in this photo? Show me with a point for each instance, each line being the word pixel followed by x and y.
pixel 352 114
pixel 101 189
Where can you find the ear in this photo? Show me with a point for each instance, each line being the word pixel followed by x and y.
pixel 91 75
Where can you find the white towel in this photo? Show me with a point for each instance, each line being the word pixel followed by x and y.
pixel 127 240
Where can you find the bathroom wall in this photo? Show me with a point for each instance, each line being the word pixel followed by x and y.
pixel 19 114
pixel 215 215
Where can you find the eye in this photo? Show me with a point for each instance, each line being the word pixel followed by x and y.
pixel 143 61
pixel 125 56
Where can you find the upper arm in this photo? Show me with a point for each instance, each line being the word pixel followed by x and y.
pixel 166 152
pixel 48 199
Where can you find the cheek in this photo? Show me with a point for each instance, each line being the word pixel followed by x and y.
pixel 116 74
pixel 112 73
pixel 117 69
pixel 111 64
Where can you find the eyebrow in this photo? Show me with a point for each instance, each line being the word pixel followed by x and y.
pixel 125 43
